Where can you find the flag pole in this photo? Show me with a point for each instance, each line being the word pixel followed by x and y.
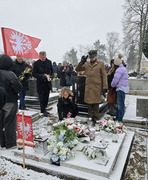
pixel 23 140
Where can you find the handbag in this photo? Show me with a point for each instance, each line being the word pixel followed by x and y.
pixel 112 96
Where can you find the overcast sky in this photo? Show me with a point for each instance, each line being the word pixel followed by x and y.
pixel 62 24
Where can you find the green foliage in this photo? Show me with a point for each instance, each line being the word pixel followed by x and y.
pixel 101 50
pixel 145 44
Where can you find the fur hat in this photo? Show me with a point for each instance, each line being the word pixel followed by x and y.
pixel 118 60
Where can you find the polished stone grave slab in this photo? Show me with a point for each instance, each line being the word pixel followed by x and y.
pixel 82 163
pixel 42 163
pixel 142 107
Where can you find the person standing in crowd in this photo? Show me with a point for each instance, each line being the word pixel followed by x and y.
pixel 120 81
pixel 18 68
pixel 65 75
pixel 66 105
pixel 96 80
pixel 2 96
pixel 8 113
pixel 55 69
pixel 43 71
pixel 59 66
pixel 111 107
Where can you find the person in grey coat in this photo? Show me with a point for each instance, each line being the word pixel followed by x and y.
pixel 8 113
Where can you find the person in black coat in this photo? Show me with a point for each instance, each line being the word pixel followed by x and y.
pixel 2 96
pixel 65 75
pixel 18 68
pixel 66 105
pixel 43 71
pixel 8 113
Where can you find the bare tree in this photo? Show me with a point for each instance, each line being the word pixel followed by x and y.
pixel 113 44
pixel 134 25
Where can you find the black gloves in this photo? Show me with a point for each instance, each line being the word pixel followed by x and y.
pixel 83 59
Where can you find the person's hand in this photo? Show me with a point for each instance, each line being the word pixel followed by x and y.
pixel 84 59
pixel 104 92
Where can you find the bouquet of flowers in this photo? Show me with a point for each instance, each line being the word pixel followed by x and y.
pixel 55 75
pixel 65 132
pixel 26 72
pixel 113 127
pixel 57 151
pixel 82 131
pixel 89 151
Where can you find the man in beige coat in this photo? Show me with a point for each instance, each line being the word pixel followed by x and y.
pixel 96 80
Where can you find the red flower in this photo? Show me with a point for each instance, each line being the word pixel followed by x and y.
pixel 68 124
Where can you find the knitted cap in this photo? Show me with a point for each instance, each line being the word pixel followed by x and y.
pixel 118 60
pixel 5 62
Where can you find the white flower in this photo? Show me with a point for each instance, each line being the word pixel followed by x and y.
pixel 63 151
pixel 60 144
pixel 70 127
pixel 55 150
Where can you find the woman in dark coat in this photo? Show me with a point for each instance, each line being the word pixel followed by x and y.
pixel 66 105
pixel 111 107
pixel 8 113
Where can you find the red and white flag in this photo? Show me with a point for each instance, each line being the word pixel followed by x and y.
pixel 18 44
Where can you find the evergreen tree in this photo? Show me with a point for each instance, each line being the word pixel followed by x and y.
pixel 101 50
pixel 145 44
pixel 71 56
pixel 131 60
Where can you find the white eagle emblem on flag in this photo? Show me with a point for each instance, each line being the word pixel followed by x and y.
pixel 20 43
pixel 27 129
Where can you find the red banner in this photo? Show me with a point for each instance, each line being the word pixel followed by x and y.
pixel 18 44
pixel 28 131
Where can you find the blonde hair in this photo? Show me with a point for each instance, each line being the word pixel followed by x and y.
pixel 65 89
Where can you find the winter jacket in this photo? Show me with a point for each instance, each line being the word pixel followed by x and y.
pixel 2 96
pixel 55 68
pixel 39 69
pixel 65 106
pixel 96 80
pixel 18 68
pixel 63 75
pixel 120 77
pixel 9 80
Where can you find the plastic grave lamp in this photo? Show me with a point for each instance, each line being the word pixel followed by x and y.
pixel 41 145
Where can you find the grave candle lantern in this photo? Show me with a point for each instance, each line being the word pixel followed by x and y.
pixel 41 145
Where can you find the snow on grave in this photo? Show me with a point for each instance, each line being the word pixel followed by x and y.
pixel 80 162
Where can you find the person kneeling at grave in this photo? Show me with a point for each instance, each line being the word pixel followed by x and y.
pixel 66 105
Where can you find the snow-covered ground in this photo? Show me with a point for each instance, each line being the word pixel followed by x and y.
pixel 11 171
pixel 136 168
